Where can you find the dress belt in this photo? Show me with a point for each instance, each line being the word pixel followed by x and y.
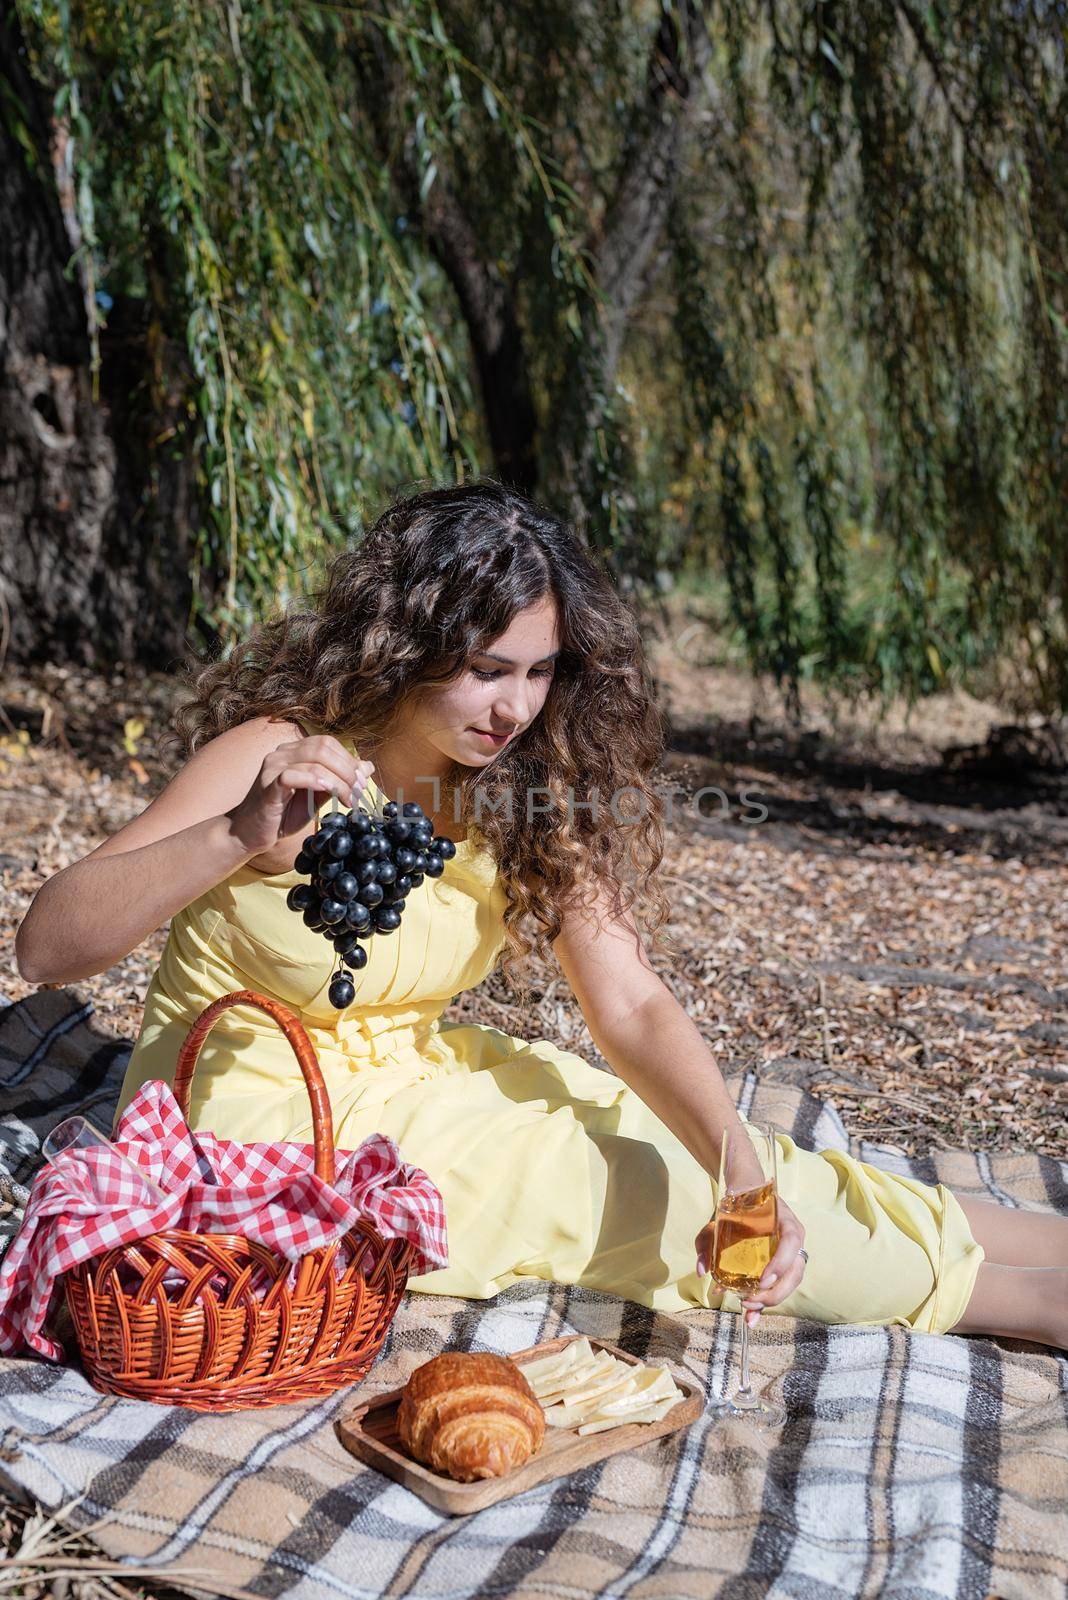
pixel 360 1035
pixel 373 1036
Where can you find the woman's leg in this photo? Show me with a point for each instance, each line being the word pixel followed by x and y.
pixel 1017 1238
pixel 1021 1289
pixel 1019 1302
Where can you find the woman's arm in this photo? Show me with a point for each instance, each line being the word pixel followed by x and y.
pixel 648 1039
pixel 220 811
pixel 641 1029
pixel 93 913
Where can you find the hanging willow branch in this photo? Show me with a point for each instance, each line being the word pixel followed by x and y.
pixel 322 365
pixel 774 289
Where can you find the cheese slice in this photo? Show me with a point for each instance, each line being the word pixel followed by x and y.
pixel 626 1413
pixel 570 1412
pixel 649 1414
pixel 589 1375
pixel 648 1377
pixel 549 1397
pixel 570 1416
pixel 580 1362
pixel 610 1384
pixel 558 1360
pixel 662 1387
pixel 593 1390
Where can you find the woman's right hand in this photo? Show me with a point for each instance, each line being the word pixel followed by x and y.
pixel 277 803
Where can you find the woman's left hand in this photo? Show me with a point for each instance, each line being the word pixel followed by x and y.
pixel 783 1272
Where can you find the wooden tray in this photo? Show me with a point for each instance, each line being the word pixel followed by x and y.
pixel 369 1429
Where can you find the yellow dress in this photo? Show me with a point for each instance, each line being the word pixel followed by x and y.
pixel 549 1167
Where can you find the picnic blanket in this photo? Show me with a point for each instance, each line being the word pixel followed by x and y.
pixel 914 1466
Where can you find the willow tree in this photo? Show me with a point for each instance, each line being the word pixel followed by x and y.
pixel 772 289
pixel 876 342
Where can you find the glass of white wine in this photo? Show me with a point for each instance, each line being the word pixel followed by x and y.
pixel 746 1236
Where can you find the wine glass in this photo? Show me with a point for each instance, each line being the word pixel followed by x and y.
pixel 78 1133
pixel 745 1238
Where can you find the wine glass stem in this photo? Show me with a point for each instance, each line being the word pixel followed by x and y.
pixel 746 1389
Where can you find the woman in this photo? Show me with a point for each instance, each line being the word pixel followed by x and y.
pixel 470 654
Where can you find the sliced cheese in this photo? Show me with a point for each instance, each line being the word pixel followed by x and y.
pixel 597 1391
pixel 578 1410
pixel 603 1424
pixel 581 1362
pixel 649 1414
pixel 558 1360
pixel 565 1416
pixel 663 1387
pixel 586 1376
pixel 539 1375
pixel 593 1390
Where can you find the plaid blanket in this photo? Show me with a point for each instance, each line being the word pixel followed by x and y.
pixel 915 1466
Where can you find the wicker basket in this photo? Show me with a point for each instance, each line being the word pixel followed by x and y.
pixel 224 1349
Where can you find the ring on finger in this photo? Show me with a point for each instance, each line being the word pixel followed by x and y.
pixel 804 1253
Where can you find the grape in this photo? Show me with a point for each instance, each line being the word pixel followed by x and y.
pixel 342 991
pixel 361 867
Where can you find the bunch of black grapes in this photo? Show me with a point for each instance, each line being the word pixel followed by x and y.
pixel 362 868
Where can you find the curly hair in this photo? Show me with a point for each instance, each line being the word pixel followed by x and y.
pixel 439 576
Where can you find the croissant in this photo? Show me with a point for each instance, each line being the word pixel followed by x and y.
pixel 470 1415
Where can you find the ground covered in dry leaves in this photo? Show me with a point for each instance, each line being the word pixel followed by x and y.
pixel 892 933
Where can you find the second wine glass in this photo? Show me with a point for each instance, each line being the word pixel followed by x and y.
pixel 746 1236
pixel 77 1133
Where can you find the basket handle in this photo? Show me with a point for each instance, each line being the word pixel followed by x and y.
pixel 322 1120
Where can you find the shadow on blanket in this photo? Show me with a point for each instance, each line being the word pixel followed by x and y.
pixel 916 1466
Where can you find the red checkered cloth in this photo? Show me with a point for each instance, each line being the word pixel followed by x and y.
pixel 92 1201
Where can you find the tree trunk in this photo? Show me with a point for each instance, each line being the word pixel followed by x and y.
pixel 488 303
pixel 94 533
pixel 627 255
